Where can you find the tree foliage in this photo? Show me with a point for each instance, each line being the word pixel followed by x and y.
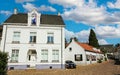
pixel 75 38
pixel 93 40
pixel 3 63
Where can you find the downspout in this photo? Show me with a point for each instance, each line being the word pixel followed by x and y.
pixel 61 48
pixel 5 39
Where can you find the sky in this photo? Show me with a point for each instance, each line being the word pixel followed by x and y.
pixel 79 16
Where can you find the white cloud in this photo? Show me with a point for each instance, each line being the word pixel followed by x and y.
pixel 46 8
pixel 30 7
pixel 67 3
pixel 102 33
pixel 108 31
pixel 82 35
pixel 87 12
pixel 102 41
pixel 5 12
pixel 22 1
pixel 114 5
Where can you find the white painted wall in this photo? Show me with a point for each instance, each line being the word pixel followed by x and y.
pixel 76 49
pixel 41 41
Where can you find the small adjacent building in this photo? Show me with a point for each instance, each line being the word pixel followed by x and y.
pixel 33 40
pixel 82 53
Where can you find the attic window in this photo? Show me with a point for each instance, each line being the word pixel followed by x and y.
pixel 70 49
pixel 34 18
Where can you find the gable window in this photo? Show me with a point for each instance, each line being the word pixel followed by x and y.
pixel 32 37
pixel 78 57
pixel 44 55
pixel 55 56
pixel 34 18
pixel 50 38
pixel 16 37
pixel 14 56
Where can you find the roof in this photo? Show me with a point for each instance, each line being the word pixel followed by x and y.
pixel 44 19
pixel 85 46
pixel 108 47
pixel 88 47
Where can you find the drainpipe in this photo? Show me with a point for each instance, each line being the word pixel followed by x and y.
pixel 5 39
pixel 61 50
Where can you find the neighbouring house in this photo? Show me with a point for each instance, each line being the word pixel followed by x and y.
pixel 33 40
pixel 108 49
pixel 82 53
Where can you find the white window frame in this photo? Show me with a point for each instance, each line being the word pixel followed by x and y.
pixel 33 37
pixel 44 55
pixel 50 38
pixel 14 55
pixel 55 55
pixel 16 37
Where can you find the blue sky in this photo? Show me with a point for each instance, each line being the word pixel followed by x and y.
pixel 79 16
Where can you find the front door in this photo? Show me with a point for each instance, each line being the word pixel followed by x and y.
pixel 32 55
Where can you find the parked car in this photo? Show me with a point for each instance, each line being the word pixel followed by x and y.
pixel 69 64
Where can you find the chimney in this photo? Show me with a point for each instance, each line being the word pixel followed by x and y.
pixel 15 11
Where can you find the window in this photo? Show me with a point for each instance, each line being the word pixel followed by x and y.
pixel 34 18
pixel 14 56
pixel 87 57
pixel 78 57
pixel 50 38
pixel 16 37
pixel 70 49
pixel 55 56
pixel 32 37
pixel 44 56
pixel 93 57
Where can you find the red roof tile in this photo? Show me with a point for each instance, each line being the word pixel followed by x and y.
pixel 87 47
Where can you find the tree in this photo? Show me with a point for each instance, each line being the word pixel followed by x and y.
pixel 3 63
pixel 74 39
pixel 93 40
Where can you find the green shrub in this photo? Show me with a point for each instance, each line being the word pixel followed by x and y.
pixel 3 63
pixel 99 61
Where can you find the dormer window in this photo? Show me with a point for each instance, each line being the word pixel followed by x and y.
pixel 34 18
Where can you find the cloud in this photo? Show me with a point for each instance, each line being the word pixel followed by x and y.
pixel 102 41
pixel 22 1
pixel 5 12
pixel 115 5
pixel 67 3
pixel 102 33
pixel 82 35
pixel 87 12
pixel 30 7
pixel 108 31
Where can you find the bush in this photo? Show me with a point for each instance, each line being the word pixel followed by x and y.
pixel 105 59
pixel 99 61
pixel 3 63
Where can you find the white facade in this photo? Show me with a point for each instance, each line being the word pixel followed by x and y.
pixel 32 48
pixel 85 57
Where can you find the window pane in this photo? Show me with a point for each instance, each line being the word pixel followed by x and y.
pixel 16 36
pixel 33 37
pixel 55 56
pixel 44 55
pixel 14 56
pixel 50 38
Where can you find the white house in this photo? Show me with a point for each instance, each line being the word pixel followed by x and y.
pixel 82 53
pixel 33 40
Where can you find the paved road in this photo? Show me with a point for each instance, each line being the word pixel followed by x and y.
pixel 105 68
